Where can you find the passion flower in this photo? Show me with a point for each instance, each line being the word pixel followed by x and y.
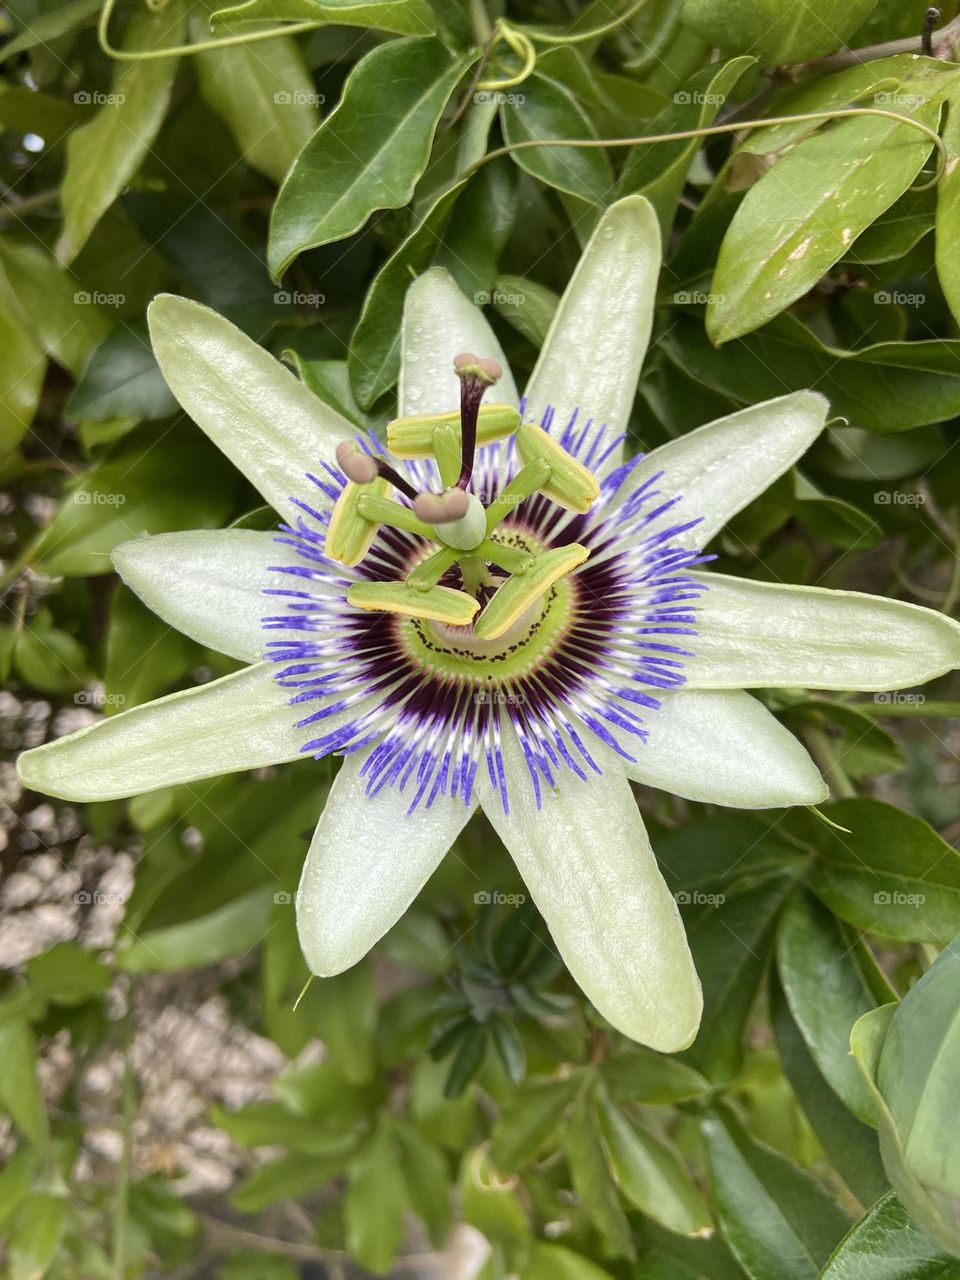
pixel 493 607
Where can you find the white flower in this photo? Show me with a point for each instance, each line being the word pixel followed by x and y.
pixel 561 733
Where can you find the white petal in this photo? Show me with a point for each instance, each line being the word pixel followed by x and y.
pixel 752 634
pixel 718 468
pixel 367 862
pixel 210 584
pixel 252 407
pixel 596 344
pixel 588 864
pixel 239 722
pixel 722 748
pixel 438 323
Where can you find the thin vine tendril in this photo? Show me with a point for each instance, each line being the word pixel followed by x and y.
pixel 176 51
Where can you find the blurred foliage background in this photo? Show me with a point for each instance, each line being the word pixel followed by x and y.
pixel 452 1107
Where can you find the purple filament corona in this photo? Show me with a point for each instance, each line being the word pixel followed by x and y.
pixel 354 684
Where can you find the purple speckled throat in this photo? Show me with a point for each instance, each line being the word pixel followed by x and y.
pixel 429 700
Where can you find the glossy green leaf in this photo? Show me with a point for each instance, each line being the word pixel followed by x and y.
pixel 805 212
pixel 406 17
pixel 543 109
pixel 530 1118
pixel 104 154
pixel 948 211
pixel 889 873
pixel 369 152
pixel 850 1145
pixel 22 370
pixel 425 1178
pixel 777 1219
pixel 650 1176
pixel 374 1205
pixel 593 1181
pixel 346 1020
pixel 885 1245
pixel 20 1094
pixel 66 320
pixel 230 931
pixel 775 34
pixel 122 380
pixel 888 386
pixel 826 994
pixel 652 1079
pixel 553 1262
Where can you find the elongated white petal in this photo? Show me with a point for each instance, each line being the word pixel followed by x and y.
pixel 720 467
pixel 252 407
pixel 587 861
pixel 753 634
pixel 367 862
pixel 592 355
pixel 239 722
pixel 438 323
pixel 211 584
pixel 722 747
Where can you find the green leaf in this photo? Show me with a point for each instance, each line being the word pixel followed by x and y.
pixel 369 152
pixel 426 1179
pixel 122 380
pixel 826 993
pixel 374 352
pixel 64 319
pixel 553 1262
pixel 889 386
pixel 231 930
pixel 529 1119
pixel 888 873
pixel 105 153
pixel 948 211
pixel 650 1078
pixel 263 93
pixel 19 1090
pixel 593 1181
pixel 346 1020
pixel 659 170
pixel 182 481
pixel 406 17
pixel 288 1178
pixel 134 631
pixel 650 1176
pixel 50 659
pixel 885 1245
pixel 528 306
pixel 22 370
pixel 864 747
pixel 545 109
pixel 765 28
pixel 67 974
pixel 374 1204
pixel 44 28
pixel 779 1222
pixel 35 1237
pixel 850 1145
pixel 803 214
